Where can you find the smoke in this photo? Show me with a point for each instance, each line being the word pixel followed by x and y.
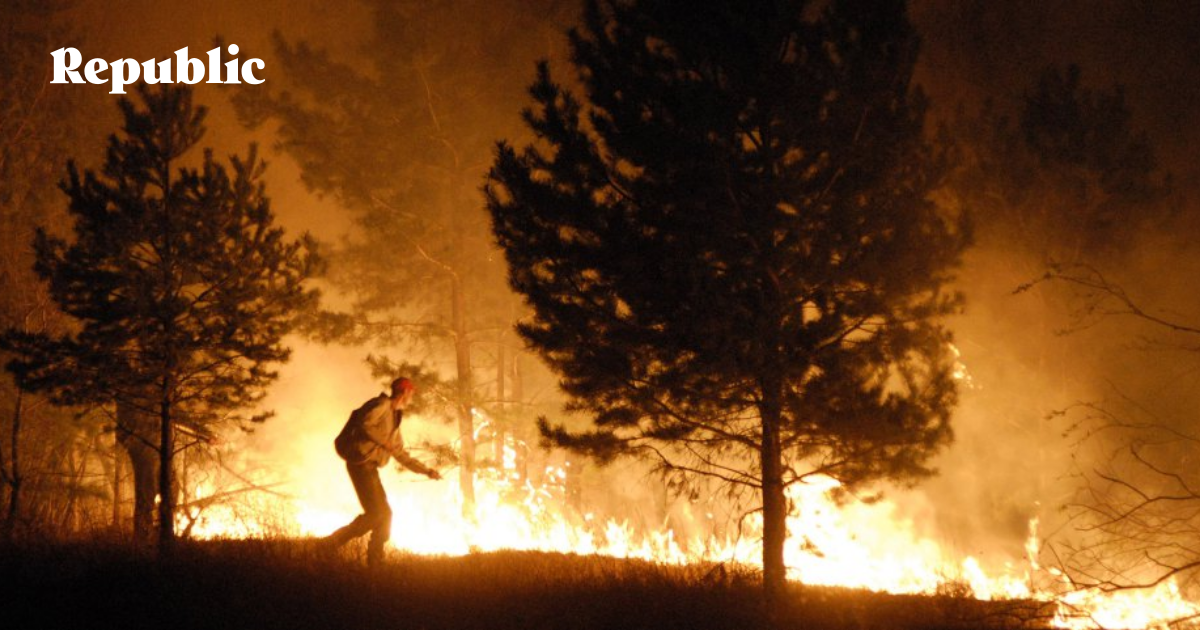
pixel 1032 364
pixel 976 50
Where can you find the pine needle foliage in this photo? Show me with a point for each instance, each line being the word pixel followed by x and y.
pixel 728 239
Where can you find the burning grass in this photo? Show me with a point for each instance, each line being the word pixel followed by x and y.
pixel 288 584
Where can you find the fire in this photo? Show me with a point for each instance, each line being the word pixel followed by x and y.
pixel 1143 608
pixel 852 544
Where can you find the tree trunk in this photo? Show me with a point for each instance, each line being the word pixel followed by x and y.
pixel 517 398
pixel 133 433
pixel 117 472
pixel 518 383
pixel 466 420
pixel 774 501
pixel 166 452
pixel 501 420
pixel 5 480
pixel 166 390
pixel 14 495
pixel 145 474
pixel 70 515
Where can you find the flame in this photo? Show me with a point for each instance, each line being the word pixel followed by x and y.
pixel 852 543
pixel 1159 607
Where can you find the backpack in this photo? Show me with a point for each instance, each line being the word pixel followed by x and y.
pixel 353 444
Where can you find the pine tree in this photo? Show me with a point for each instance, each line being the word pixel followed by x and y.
pixel 182 287
pixel 729 246
pixel 1066 178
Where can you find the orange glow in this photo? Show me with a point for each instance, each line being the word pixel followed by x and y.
pixel 1144 608
pixel 854 544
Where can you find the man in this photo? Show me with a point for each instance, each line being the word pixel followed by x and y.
pixel 371 437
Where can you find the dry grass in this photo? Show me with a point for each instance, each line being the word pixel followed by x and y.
pixel 287 584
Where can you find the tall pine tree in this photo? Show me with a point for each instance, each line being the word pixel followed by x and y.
pixel 729 245
pixel 182 285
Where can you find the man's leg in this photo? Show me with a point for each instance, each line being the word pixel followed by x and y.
pixel 379 516
pixel 369 489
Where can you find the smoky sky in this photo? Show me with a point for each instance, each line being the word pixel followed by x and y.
pixel 971 49
pixel 977 49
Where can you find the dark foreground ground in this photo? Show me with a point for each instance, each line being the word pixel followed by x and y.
pixel 286 584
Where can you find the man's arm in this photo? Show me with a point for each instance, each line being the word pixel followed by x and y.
pixel 408 461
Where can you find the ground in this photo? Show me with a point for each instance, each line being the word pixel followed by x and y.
pixel 290 584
